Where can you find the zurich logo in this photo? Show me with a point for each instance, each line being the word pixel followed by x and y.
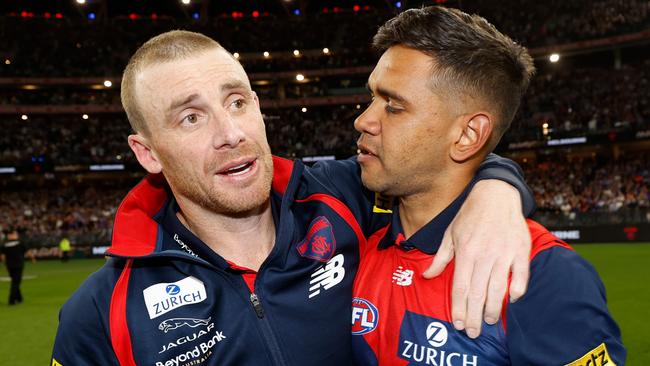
pixel 172 289
pixel 437 334
pixel 365 316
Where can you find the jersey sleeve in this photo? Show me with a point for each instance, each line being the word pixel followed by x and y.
pixel 563 318
pixel 497 167
pixel 83 336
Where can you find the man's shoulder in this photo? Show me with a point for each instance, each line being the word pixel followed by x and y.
pixel 97 288
pixel 542 239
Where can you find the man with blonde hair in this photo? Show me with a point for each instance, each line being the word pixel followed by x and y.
pixel 225 254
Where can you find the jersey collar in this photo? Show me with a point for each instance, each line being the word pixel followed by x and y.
pixel 183 239
pixel 429 237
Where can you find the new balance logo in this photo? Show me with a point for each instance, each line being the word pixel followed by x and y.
pixel 403 277
pixel 327 276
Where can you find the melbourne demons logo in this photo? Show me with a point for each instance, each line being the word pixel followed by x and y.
pixel 319 244
pixel 365 316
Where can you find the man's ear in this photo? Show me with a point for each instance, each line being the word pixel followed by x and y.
pixel 146 157
pixel 475 135
pixel 256 99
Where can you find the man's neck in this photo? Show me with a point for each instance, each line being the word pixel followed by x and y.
pixel 245 240
pixel 417 210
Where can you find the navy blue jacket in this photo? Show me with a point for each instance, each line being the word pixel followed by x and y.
pixel 165 299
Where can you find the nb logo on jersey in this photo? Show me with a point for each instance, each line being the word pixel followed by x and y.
pixel 327 276
pixel 403 277
pixel 437 334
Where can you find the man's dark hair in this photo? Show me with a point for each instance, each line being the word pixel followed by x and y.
pixel 471 57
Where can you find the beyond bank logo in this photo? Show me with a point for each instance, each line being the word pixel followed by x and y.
pixel 162 298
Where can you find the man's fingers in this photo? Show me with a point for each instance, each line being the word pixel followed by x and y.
pixel 496 292
pixel 476 297
pixel 520 274
pixel 460 289
pixel 444 255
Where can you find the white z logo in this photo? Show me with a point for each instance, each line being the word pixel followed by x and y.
pixel 327 276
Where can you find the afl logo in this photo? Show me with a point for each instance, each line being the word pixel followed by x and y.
pixel 437 334
pixel 365 316
pixel 172 290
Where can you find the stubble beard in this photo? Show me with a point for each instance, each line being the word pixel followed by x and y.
pixel 236 202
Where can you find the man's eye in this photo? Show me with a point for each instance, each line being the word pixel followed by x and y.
pixel 392 110
pixel 190 119
pixel 238 104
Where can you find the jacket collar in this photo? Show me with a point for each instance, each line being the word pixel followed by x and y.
pixel 137 230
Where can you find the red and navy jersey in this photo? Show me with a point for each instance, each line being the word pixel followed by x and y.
pixel 400 318
pixel 164 298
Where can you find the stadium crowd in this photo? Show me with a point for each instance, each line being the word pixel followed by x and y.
pixel 64 140
pixel 572 101
pixel 581 101
pixel 44 215
pixel 75 47
pixel 591 184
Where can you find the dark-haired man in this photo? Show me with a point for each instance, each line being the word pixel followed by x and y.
pixel 447 86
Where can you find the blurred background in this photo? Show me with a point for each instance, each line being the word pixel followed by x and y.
pixel 582 134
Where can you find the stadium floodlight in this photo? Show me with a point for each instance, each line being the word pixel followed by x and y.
pixel 108 83
pixel 300 77
pixel 84 116
pixel 266 54
pixel 304 109
pixel 554 57
pixel 326 51
pixel 236 55
pixel 185 2
pixel 24 117
pixel 296 53
pixel 81 2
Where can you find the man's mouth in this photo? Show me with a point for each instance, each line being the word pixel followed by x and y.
pixel 239 169
pixel 363 150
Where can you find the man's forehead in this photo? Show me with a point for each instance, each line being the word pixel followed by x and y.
pixel 213 71
pixel 401 67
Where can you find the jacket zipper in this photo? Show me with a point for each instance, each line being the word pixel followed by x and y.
pixel 267 331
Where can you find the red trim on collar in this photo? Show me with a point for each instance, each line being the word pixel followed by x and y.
pixel 248 274
pixel 135 233
pixel 282 169
pixel 118 327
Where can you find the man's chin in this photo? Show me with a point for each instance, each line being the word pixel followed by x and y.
pixel 371 183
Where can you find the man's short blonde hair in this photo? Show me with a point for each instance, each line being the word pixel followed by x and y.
pixel 165 47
